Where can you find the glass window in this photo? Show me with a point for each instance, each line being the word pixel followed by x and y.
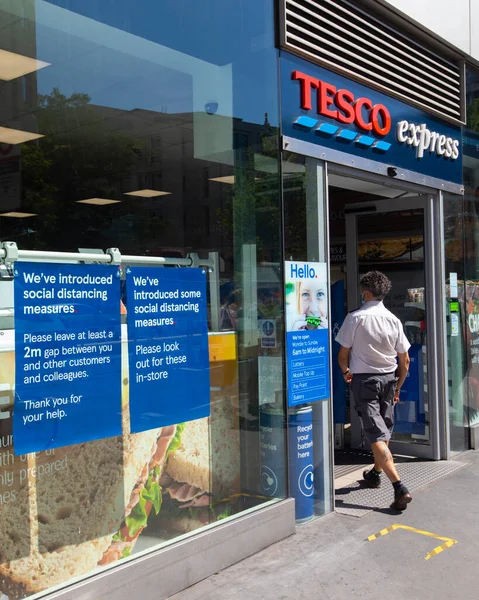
pixel 456 323
pixel 470 245
pixel 151 127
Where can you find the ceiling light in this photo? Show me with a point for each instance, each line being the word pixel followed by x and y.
pixel 16 136
pixel 98 201
pixel 230 179
pixel 147 193
pixel 15 65
pixel 18 215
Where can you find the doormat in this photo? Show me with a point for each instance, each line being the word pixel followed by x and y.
pixel 356 500
pixel 349 461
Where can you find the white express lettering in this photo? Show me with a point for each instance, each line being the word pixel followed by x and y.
pixel 423 139
pixel 401 130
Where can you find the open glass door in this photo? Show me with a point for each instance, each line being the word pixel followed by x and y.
pixel 381 236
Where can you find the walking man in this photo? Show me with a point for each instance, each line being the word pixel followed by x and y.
pixel 371 338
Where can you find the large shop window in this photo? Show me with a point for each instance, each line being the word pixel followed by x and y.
pixel 151 127
pixel 466 248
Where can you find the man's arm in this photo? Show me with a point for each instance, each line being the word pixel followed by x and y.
pixel 343 361
pixel 403 368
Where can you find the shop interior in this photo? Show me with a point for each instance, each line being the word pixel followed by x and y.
pixel 378 227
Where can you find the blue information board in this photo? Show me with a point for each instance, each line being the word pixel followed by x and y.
pixel 67 355
pixel 168 346
pixel 307 337
pixel 308 366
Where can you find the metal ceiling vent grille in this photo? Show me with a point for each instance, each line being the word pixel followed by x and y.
pixel 339 35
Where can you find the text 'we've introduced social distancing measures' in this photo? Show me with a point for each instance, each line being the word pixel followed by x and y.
pixel 68 351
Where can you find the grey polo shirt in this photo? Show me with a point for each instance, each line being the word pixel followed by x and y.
pixel 375 337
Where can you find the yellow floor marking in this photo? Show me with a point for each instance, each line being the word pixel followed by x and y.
pixel 439 549
pixel 448 541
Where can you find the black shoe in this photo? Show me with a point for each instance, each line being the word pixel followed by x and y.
pixel 372 478
pixel 402 498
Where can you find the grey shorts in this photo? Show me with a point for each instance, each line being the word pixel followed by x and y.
pixel 373 397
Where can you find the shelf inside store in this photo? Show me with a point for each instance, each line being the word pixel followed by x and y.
pixel 410 264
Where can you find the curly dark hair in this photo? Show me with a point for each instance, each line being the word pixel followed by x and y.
pixel 377 283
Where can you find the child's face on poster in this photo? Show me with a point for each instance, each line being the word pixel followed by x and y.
pixel 313 301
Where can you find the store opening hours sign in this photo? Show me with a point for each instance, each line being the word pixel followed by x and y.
pixel 67 355
pixel 168 346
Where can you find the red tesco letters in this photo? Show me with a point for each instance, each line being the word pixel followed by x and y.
pixel 342 106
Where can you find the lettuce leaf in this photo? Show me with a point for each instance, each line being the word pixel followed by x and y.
pixel 138 517
pixel 176 441
pixel 152 492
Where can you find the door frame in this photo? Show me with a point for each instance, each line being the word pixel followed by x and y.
pixel 431 203
pixel 371 171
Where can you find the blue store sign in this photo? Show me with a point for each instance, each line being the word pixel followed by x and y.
pixel 327 109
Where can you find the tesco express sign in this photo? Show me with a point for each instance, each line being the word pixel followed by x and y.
pixel 342 106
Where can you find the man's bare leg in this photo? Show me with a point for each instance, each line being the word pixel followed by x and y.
pixel 378 467
pixel 384 460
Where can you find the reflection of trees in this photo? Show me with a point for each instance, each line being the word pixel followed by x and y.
pixel 257 212
pixel 82 156
pixel 252 210
pixel 473 115
pixel 295 218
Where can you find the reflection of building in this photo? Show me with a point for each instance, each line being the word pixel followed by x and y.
pixel 164 161
pixel 191 207
pixel 198 193
pixel 18 101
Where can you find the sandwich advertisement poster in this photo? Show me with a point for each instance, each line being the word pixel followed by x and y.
pixel 72 511
pixel 307 337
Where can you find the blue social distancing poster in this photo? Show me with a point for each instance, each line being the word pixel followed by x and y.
pixel 67 355
pixel 168 346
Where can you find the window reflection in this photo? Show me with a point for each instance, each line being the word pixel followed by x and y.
pixel 152 127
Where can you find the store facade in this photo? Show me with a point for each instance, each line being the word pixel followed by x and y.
pixel 186 209
pixel 363 142
pixel 382 113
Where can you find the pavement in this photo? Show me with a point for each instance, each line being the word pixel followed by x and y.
pixel 331 558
